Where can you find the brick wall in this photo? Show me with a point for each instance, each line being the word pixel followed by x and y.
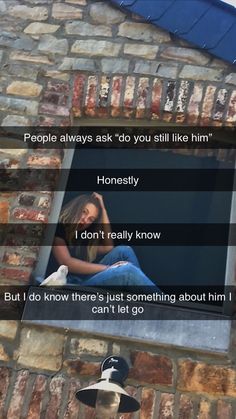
pixel 79 58
pixel 132 68
pixel 41 368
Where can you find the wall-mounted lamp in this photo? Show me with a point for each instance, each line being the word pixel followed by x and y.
pixel 108 396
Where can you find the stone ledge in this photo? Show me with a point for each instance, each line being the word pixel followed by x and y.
pixel 200 336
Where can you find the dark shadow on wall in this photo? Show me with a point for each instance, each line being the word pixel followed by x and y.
pixel 166 265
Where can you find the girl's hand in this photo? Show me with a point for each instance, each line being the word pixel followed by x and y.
pixel 120 263
pixel 99 198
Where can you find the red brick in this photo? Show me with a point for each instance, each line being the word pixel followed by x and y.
pixel 17 399
pixel 55 390
pixel 142 95
pixel 76 366
pixel 55 98
pixel 65 122
pixel 231 114
pixel 89 413
pixel 169 101
pixel 28 261
pixel 129 97
pixel 73 406
pixel 8 195
pixel 26 200
pixel 91 96
pixel 44 202
pixel 194 104
pixel 208 104
pixel 12 258
pixel 51 109
pixel 182 101
pixel 116 95
pixel 78 94
pixel 185 407
pixel 20 242
pixel 156 99
pixel 35 179
pixel 14 274
pixel 51 162
pixel 217 123
pixel 4 384
pixel 150 368
pixel 7 163
pixel 204 410
pixel 220 104
pixel 147 403
pixel 132 392
pixel 58 87
pixel 166 410
pixel 209 379
pixel 35 404
pixel 224 410
pixel 30 215
pixel 46 121
pixel 4 212
pixel 29 232
pixel 103 97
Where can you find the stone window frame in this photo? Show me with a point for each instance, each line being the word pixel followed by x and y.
pixel 195 334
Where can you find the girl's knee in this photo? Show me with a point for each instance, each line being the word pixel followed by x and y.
pixel 131 274
pixel 124 249
pixel 129 268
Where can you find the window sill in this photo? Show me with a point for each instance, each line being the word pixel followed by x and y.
pixel 181 328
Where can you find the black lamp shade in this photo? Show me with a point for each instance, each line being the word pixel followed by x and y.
pixel 88 396
pixel 114 371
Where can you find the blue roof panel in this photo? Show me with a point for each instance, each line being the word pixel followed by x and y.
pixel 182 16
pixel 146 9
pixel 208 24
pixel 217 24
pixel 126 3
pixel 226 49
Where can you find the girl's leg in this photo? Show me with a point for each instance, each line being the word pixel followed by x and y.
pixel 122 276
pixel 120 253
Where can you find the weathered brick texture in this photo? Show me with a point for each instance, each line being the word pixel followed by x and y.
pixel 187 101
pixel 152 369
pixel 5 374
pixel 185 407
pixel 46 38
pixel 61 60
pixel 18 394
pixel 38 391
pixel 210 379
pixel 49 367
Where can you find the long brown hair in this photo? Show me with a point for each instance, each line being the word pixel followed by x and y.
pixel 70 216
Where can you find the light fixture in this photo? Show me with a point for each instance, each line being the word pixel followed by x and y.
pixel 108 396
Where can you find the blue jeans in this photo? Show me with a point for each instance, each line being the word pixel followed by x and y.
pixel 129 274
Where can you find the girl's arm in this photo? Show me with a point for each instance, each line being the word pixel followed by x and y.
pixel 75 266
pixel 107 245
